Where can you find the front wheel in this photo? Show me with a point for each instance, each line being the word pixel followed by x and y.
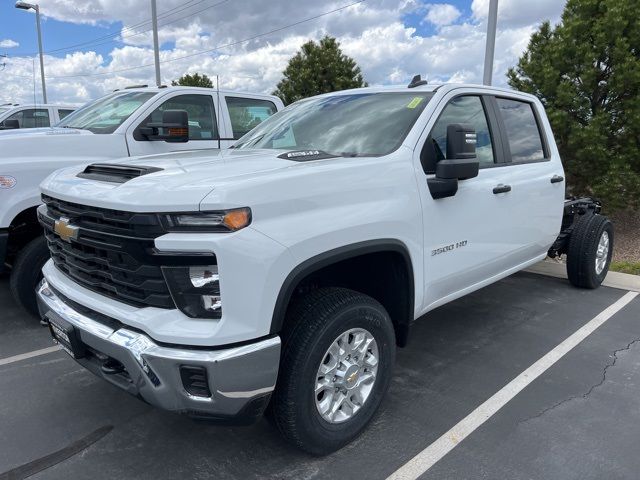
pixel 590 250
pixel 26 273
pixel 336 367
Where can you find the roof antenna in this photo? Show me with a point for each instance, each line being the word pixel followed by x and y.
pixel 416 81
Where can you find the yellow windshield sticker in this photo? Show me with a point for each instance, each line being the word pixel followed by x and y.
pixel 415 102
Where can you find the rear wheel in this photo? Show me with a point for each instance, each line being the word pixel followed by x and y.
pixel 590 250
pixel 26 272
pixel 336 367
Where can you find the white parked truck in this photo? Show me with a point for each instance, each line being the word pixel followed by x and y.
pixel 283 273
pixel 124 123
pixel 13 115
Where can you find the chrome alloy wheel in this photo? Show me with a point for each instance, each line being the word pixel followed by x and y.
pixel 602 254
pixel 346 375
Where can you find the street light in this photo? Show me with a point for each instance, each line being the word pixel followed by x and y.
pixel 492 22
pixel 33 6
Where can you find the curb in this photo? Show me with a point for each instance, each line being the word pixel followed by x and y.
pixel 551 268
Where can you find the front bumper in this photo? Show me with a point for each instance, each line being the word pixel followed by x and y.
pixel 240 378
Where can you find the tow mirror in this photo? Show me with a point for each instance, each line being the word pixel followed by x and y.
pixel 10 124
pixel 461 162
pixel 174 127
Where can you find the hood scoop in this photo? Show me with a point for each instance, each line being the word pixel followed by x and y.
pixel 106 172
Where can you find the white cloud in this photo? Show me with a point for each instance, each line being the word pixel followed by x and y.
pixel 441 14
pixel 518 13
pixel 8 43
pixel 373 33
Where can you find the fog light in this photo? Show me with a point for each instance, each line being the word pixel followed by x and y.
pixel 212 303
pixel 203 276
pixel 195 290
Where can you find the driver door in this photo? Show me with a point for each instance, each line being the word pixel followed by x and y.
pixel 462 233
pixel 204 126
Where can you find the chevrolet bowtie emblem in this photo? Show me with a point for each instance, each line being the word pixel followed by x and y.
pixel 64 230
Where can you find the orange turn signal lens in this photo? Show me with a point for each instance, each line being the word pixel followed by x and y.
pixel 178 132
pixel 237 219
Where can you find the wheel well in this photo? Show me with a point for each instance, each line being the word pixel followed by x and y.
pixel 382 271
pixel 24 228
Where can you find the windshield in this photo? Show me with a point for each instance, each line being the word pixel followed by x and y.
pixel 2 110
pixel 106 114
pixel 360 124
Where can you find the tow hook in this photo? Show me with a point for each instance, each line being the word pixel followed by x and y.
pixel 112 367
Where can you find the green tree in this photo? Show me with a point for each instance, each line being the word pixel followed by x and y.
pixel 195 80
pixel 318 68
pixel 586 71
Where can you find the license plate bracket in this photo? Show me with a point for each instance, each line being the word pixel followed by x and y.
pixel 66 335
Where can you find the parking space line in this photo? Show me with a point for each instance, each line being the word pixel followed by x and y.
pixel 24 356
pixel 428 457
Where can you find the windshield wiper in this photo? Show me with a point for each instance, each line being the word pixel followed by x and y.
pixel 353 154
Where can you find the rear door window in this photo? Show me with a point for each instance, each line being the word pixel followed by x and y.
pixel 523 132
pixel 248 113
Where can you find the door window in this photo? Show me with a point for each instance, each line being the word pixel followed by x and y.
pixel 202 117
pixel 63 112
pixel 247 113
pixel 31 118
pixel 464 109
pixel 523 134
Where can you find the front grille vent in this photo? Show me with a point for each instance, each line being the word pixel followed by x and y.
pixel 113 252
pixel 194 380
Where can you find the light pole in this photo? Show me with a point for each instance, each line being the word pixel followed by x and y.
pixel 33 6
pixel 492 22
pixel 156 49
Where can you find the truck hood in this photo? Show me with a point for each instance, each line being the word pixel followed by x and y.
pixel 184 180
pixel 39 132
pixel 31 142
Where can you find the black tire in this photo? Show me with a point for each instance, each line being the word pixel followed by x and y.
pixel 583 248
pixel 26 272
pixel 317 320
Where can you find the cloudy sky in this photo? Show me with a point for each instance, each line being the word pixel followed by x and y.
pixel 95 46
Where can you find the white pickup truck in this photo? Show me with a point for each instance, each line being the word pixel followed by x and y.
pixel 282 274
pixel 113 126
pixel 14 116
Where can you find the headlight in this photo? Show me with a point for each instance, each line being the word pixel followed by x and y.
pixel 195 290
pixel 223 221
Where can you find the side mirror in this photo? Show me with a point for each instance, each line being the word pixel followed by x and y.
pixel 461 162
pixel 174 127
pixel 10 124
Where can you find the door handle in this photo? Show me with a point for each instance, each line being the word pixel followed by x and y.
pixel 557 179
pixel 502 189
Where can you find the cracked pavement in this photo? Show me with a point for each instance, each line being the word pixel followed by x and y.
pixel 584 396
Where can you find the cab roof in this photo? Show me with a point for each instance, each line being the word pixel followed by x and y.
pixel 433 87
pixel 165 88
pixel 37 105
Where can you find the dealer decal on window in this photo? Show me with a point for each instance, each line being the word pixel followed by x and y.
pixel 415 102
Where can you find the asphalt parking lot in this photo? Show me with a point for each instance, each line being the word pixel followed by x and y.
pixel 580 419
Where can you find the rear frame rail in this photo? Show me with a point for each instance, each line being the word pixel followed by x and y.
pixel 573 209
